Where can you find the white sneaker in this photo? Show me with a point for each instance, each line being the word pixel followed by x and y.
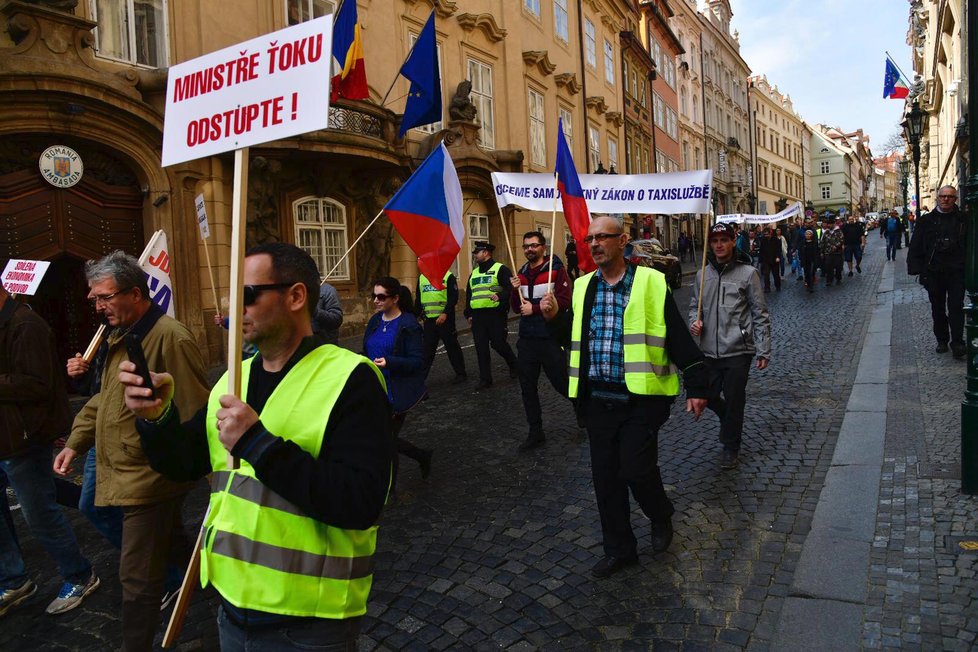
pixel 10 598
pixel 72 595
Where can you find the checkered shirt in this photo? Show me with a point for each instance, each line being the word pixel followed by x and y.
pixel 606 329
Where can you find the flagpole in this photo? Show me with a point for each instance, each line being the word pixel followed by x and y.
pixel 553 235
pixel 340 261
pixel 210 273
pixel 893 61
pixel 394 81
pixel 512 258
pixel 706 240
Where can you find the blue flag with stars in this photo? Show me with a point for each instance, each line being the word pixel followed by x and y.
pixel 421 69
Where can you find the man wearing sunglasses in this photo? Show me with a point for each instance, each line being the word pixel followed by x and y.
pixel 937 253
pixel 628 340
pixel 152 529
pixel 291 532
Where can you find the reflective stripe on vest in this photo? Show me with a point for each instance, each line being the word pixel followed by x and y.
pixel 261 551
pixel 648 370
pixel 433 301
pixel 483 286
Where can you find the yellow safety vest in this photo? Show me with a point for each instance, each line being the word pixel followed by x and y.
pixel 648 370
pixel 483 286
pixel 433 301
pixel 262 552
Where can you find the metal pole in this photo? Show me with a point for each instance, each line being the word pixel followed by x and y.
pixel 969 407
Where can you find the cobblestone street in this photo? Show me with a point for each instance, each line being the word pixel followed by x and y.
pixel 493 551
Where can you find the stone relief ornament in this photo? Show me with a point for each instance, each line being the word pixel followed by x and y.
pixel 461 107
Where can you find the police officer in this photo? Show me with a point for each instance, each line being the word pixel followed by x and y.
pixel 437 308
pixel 937 253
pixel 292 532
pixel 486 308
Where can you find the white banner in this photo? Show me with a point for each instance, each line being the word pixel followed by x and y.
pixel 24 276
pixel 156 265
pixel 668 193
pixel 205 231
pixel 264 89
pixel 744 218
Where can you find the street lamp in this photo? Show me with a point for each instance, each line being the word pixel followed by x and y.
pixel 914 126
pixel 904 178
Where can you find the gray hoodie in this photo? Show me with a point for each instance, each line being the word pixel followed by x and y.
pixel 735 317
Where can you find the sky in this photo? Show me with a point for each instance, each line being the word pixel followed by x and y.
pixel 829 56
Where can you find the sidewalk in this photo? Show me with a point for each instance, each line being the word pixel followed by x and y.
pixel 881 567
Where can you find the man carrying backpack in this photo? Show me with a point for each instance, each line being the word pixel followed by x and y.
pixel 893 230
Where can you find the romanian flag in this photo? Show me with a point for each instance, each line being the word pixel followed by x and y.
pixel 427 212
pixel 349 72
pixel 894 87
pixel 572 199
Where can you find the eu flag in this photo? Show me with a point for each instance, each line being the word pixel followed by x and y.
pixel 421 69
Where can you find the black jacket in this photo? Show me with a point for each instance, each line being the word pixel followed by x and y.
pixel 938 243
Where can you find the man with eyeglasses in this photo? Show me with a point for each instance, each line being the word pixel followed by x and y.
pixel 486 308
pixel 152 529
pixel 627 340
pixel 541 275
pixel 937 254
pixel 290 532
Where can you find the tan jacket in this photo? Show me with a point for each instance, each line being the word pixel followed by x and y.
pixel 123 474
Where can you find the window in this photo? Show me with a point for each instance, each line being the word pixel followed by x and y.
pixel 567 120
pixel 594 146
pixel 478 226
pixel 299 11
pixel 320 230
pixel 538 129
pixel 590 44
pixel 826 190
pixel 132 30
pixel 481 77
pixel 628 156
pixel 434 126
pixel 612 153
pixel 533 6
pixel 560 20
pixel 683 103
pixel 609 62
pixel 763 207
pixel 823 167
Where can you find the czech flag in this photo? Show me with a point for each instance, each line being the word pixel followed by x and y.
pixel 349 72
pixel 894 88
pixel 427 212
pixel 572 199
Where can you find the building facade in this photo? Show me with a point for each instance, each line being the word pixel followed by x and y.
pixel 831 174
pixel 779 162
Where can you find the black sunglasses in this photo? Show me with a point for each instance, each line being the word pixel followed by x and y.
pixel 251 292
pixel 382 297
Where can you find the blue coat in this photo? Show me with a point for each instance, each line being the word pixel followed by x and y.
pixel 405 366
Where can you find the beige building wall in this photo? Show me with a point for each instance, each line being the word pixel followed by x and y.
pixel 779 173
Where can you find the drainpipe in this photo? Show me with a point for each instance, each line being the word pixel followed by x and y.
pixel 580 43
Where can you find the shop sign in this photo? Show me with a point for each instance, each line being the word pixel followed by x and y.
pixel 61 166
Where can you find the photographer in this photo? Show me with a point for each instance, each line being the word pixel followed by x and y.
pixel 937 253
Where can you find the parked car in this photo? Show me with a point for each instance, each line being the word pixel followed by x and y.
pixel 649 253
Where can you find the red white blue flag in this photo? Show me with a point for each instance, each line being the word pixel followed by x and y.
pixel 894 87
pixel 427 212
pixel 572 199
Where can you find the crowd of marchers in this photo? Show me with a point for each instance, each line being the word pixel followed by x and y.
pixel 301 465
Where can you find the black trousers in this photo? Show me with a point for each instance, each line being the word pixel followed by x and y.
pixel 625 456
pixel 446 333
pixel 832 267
pixel 768 270
pixel 489 329
pixel 728 387
pixel 946 292
pixel 403 447
pixel 532 354
pixel 808 266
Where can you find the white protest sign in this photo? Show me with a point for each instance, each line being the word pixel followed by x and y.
pixel 264 89
pixel 667 193
pixel 205 231
pixel 24 276
pixel 744 218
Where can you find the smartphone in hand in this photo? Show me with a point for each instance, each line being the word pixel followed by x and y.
pixel 134 348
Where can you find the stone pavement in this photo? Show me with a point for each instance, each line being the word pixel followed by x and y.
pixel 493 550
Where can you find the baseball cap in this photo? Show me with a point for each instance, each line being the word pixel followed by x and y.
pixel 722 228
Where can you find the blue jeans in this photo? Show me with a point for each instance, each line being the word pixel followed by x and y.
pixel 30 476
pixel 107 520
pixel 891 245
pixel 306 634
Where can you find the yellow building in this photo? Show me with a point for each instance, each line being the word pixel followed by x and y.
pixel 779 139
pixel 96 83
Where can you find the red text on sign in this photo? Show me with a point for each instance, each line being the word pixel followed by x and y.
pixel 218 76
pixel 239 120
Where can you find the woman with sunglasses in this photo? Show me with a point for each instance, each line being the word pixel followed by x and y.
pixel 393 340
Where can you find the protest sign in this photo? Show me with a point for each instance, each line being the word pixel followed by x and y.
pixel 24 276
pixel 264 89
pixel 156 266
pixel 205 231
pixel 744 218
pixel 666 193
